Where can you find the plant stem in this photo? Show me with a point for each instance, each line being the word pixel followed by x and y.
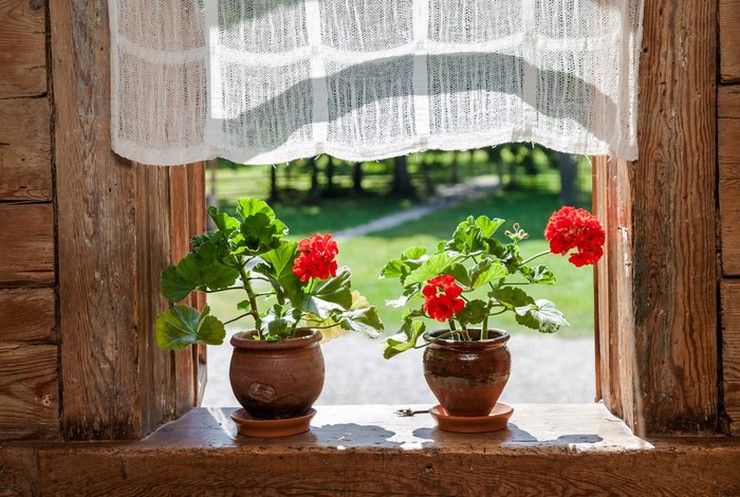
pixel 223 289
pixel 484 328
pixel 535 256
pixel 252 300
pixel 236 318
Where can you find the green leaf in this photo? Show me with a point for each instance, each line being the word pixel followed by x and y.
pixel 467 238
pixel 175 287
pixel 433 266
pixel 260 233
pixel 365 321
pixel 223 221
pixel 486 271
pixel 183 325
pixel 488 226
pixel 278 268
pixel 244 305
pixel 538 274
pixel 474 312
pixel 414 254
pixel 247 207
pixel 543 316
pixel 511 297
pixel 405 340
pixel 333 294
pixel 460 273
pixel 395 268
pixel 205 271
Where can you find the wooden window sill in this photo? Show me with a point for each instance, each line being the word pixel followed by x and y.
pixel 369 450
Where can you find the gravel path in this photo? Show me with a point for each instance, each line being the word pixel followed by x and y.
pixel 545 368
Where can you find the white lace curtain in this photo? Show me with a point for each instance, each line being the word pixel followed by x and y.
pixel 268 81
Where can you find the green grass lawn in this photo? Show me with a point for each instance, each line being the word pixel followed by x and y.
pixel 530 205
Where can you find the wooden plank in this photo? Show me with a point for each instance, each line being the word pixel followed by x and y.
pixel 26 230
pixel 729 18
pixel 197 219
pixel 25 148
pixel 27 315
pixel 29 392
pixel 113 243
pixel 730 310
pixel 22 48
pixel 185 369
pixel 548 450
pixel 20 475
pixel 156 381
pixel 673 220
pixel 729 177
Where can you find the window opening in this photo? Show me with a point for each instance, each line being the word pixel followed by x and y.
pixel 375 210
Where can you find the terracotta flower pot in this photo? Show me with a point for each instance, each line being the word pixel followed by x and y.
pixel 277 379
pixel 467 377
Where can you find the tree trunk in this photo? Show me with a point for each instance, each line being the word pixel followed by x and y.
pixel 330 176
pixel 273 184
pixel 315 192
pixel 455 169
pixel 568 165
pixel 357 177
pixel 402 187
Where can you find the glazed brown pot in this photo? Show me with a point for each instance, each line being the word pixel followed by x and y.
pixel 277 379
pixel 467 377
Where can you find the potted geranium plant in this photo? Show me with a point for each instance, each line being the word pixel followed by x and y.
pixel 468 281
pixel 292 291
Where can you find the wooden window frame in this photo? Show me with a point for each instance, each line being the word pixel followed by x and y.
pixel 657 326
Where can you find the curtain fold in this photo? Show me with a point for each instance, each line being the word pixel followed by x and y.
pixel 266 81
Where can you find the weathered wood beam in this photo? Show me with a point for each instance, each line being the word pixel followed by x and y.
pixel 730 299
pixel 114 239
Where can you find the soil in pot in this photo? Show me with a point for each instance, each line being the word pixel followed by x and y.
pixel 277 379
pixel 467 377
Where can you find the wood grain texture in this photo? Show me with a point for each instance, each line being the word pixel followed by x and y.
pixel 197 219
pixel 22 48
pixel 19 476
pixel 729 18
pixel 29 392
pixel 156 380
pixel 730 305
pixel 185 372
pixel 353 451
pixel 26 245
pixel 729 176
pixel 25 149
pixel 27 315
pixel 673 219
pixel 113 242
pixel 613 297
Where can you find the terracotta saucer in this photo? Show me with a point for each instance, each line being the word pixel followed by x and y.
pixel 495 421
pixel 270 428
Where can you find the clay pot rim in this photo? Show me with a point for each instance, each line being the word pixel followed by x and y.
pixel 498 340
pixel 243 340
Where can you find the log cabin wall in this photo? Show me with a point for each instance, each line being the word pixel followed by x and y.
pixel 29 340
pixel 84 236
pixel 728 98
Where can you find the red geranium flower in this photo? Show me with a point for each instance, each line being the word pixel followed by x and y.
pixel 442 306
pixel 317 258
pixel 571 228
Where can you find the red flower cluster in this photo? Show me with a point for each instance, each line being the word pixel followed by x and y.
pixel 317 258
pixel 571 228
pixel 442 306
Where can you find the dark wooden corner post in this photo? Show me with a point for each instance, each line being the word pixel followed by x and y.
pixel 657 288
pixel 116 231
